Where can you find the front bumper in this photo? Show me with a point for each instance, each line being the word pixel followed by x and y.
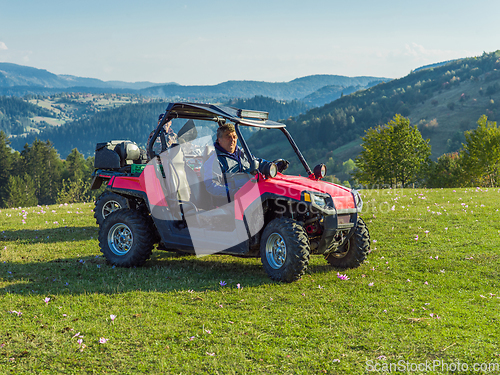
pixel 337 228
pixel 337 224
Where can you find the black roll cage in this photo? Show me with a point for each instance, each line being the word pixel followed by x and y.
pixel 219 114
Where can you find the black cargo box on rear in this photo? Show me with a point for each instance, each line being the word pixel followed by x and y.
pixel 117 154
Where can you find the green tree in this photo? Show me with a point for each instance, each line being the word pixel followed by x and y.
pixel 42 163
pixel 74 191
pixel 481 153
pixel 21 191
pixel 348 166
pixel 75 166
pixel 447 172
pixel 394 154
pixel 77 179
pixel 5 168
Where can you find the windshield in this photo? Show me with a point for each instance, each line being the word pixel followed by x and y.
pixel 206 129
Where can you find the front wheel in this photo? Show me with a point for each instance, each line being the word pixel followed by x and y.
pixel 354 251
pixel 284 250
pixel 125 239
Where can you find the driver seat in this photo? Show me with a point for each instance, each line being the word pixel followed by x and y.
pixel 185 193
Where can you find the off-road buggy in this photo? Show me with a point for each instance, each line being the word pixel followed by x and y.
pixel 281 218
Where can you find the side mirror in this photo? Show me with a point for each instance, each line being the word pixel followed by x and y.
pixel 319 171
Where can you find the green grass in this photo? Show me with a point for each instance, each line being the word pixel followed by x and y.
pixel 172 316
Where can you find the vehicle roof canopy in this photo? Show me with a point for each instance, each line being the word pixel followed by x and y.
pixel 210 112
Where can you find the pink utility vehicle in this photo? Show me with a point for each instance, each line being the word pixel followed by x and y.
pixel 281 218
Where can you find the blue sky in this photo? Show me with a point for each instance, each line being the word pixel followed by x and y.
pixel 196 42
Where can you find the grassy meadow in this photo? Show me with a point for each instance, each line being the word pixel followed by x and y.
pixel 429 291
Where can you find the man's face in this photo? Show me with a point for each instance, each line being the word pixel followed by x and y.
pixel 228 141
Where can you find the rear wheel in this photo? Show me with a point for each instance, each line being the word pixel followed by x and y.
pixel 284 250
pixel 125 239
pixel 107 203
pixel 354 251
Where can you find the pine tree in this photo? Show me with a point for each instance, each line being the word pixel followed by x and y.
pixel 42 163
pixel 21 191
pixel 75 165
pixel 5 168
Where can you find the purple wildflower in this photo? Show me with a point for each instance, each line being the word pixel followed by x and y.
pixel 342 277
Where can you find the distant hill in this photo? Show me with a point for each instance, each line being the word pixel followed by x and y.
pixel 443 102
pixel 33 113
pixel 13 75
pixel 278 110
pixel 130 121
pixel 328 94
pixel 293 90
pixel 18 80
pixel 435 65
pixel 15 114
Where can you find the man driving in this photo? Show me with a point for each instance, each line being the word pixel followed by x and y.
pixel 228 168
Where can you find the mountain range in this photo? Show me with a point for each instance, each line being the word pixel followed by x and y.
pixel 13 75
pixel 20 80
pixel 443 100
pixel 296 89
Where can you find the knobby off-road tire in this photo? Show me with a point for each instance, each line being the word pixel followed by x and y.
pixel 284 250
pixel 125 238
pixel 354 251
pixel 107 203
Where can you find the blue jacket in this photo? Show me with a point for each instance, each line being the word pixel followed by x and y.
pixel 225 173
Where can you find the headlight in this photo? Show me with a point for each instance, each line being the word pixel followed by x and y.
pixel 318 200
pixel 319 171
pixel 269 170
pixel 357 199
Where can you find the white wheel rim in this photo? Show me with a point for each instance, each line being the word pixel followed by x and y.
pixel 109 207
pixel 120 239
pixel 275 251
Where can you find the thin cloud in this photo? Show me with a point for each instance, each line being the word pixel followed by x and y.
pixel 417 50
pixel 3 46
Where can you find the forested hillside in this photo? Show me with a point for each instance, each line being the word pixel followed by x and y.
pixel 134 122
pixel 15 114
pixel 330 93
pixel 443 102
pixel 278 110
pixel 35 113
